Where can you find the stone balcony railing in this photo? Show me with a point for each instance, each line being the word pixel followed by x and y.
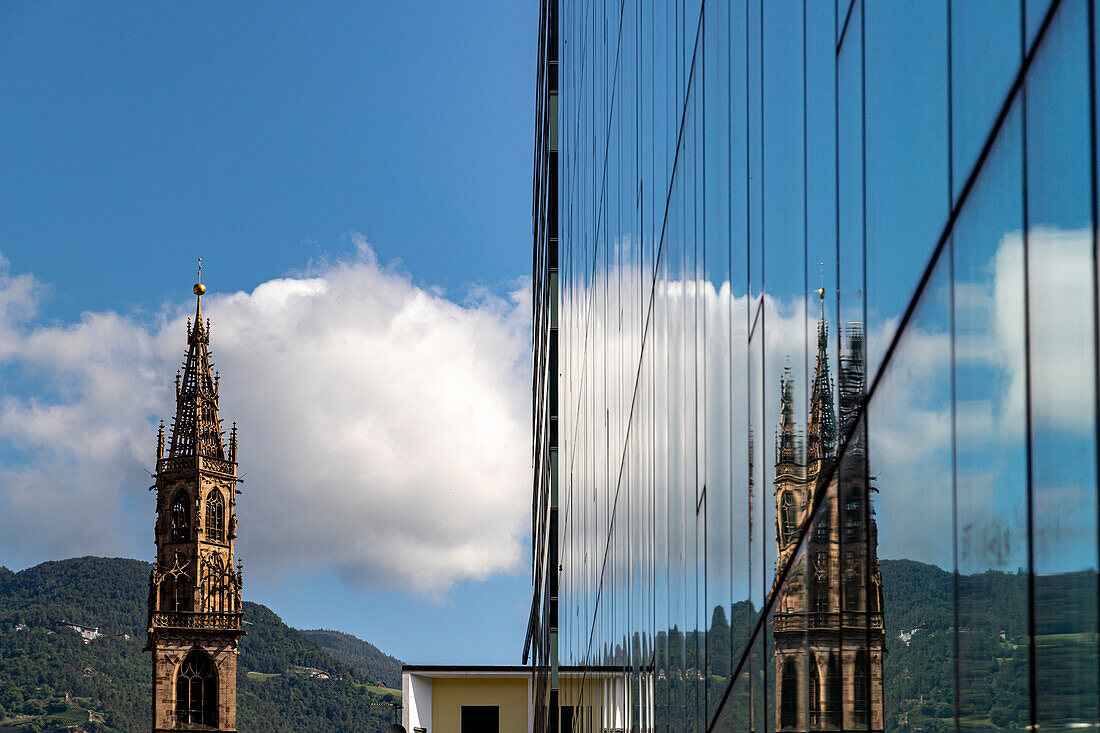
pixel 829 620
pixel 196 620
pixel 205 463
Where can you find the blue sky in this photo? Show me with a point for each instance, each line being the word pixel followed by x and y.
pixel 272 140
pixel 140 137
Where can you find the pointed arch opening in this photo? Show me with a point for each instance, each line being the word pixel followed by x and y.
pixel 833 709
pixel 815 692
pixel 788 696
pixel 197 690
pixel 788 516
pixel 215 516
pixel 861 688
pixel 181 516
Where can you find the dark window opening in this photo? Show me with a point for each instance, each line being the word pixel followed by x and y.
pixel 480 719
pixel 861 688
pixel 570 720
pixel 181 516
pixel 176 593
pixel 790 517
pixel 832 693
pixel 215 517
pixel 821 528
pixel 197 690
pixel 788 712
pixel 852 595
pixel 819 594
pixel 815 692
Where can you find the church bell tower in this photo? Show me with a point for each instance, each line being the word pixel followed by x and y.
pixel 194 589
pixel 827 629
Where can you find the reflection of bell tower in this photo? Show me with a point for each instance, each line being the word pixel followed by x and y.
pixel 194 590
pixel 828 632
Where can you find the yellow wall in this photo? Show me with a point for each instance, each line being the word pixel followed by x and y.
pixel 587 697
pixel 450 694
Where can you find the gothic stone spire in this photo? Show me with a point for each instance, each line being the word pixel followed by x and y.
pixel 821 432
pixel 197 428
pixel 785 452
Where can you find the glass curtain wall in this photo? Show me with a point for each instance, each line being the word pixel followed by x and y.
pixel 826 366
pixel 540 648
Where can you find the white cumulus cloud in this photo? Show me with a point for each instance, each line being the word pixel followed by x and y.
pixel 384 428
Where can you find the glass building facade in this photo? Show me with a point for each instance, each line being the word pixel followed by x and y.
pixel 816 366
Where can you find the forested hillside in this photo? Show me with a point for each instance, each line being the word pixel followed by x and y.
pixel 362 655
pixel 50 679
pixel 919 683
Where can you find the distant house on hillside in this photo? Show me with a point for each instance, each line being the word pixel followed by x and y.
pixel 86 632
pixel 907 635
pixel 313 672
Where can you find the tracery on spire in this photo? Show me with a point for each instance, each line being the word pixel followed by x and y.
pixel 786 448
pixel 821 432
pixel 852 379
pixel 197 427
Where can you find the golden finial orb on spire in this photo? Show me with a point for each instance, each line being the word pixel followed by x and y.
pixel 199 288
pixel 820 292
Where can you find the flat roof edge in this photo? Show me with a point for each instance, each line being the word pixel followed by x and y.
pixel 511 668
pixel 464 668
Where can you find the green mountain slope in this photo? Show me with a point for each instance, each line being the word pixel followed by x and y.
pixel 373 663
pixel 50 679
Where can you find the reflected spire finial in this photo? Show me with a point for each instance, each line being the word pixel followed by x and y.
pixel 821 434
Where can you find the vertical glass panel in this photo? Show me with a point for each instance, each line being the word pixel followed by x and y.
pixel 717 384
pixel 783 326
pixel 754 169
pixel 985 57
pixel 694 400
pixel 738 452
pixel 735 713
pixel 680 415
pixel 990 453
pixel 907 156
pixel 820 140
pixel 788 667
pixel 1034 13
pixel 659 337
pixel 901 499
pixel 759 532
pixel 843 10
pixel 1062 378
pixel 849 132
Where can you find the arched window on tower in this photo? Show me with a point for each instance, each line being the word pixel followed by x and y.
pixel 815 692
pixel 822 525
pixel 819 584
pixel 833 709
pixel 789 517
pixel 215 517
pixel 196 690
pixel 181 516
pixel 853 582
pixel 861 688
pixel 788 712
